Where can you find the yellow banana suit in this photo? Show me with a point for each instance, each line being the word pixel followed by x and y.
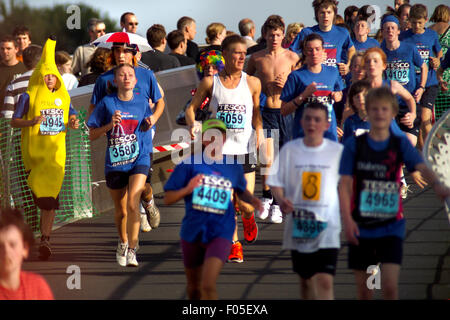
pixel 44 144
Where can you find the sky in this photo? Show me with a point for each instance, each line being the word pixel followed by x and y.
pixel 229 12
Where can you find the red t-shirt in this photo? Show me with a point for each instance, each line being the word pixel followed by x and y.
pixel 32 287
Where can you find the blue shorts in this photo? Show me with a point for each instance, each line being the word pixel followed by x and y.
pixel 273 120
pixel 195 253
pixel 119 179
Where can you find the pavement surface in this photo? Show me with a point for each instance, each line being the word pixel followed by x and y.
pixel 88 246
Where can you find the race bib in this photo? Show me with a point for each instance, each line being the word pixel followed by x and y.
pixel 53 123
pixel 306 226
pixel 123 153
pixel 379 199
pixel 123 145
pixel 212 195
pixel 233 115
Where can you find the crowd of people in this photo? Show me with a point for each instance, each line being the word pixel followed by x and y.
pixel 346 111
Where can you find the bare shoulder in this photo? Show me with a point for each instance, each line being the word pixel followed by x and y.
pixel 253 82
pixel 292 55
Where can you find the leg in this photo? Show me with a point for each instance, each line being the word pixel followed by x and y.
pixel 412 138
pixel 135 187
pixel 47 218
pixel 425 126
pixel 193 278
pixel 307 291
pixel 362 291
pixel 389 280
pixel 120 198
pixel 247 209
pixel 211 270
pixel 323 286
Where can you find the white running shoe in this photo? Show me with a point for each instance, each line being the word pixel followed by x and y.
pixel 266 203
pixel 121 253
pixel 276 215
pixel 145 227
pixel 131 258
pixel 152 212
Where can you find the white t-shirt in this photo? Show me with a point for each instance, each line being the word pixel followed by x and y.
pixel 235 108
pixel 70 81
pixel 309 177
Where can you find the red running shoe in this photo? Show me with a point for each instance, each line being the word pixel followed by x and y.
pixel 250 229
pixel 237 254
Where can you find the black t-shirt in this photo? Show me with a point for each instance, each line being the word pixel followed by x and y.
pixel 7 74
pixel 159 61
pixel 184 60
pixel 192 50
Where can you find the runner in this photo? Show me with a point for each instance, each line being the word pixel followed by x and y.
pixel 369 195
pixel 44 113
pixel 336 40
pixel 362 40
pixel 401 60
pixel 306 188
pixel 235 99
pixel 272 66
pixel 148 87
pixel 427 42
pixel 313 82
pixel 209 224
pixel 375 62
pixel 125 119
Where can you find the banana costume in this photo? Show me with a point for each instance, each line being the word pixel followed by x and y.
pixel 44 144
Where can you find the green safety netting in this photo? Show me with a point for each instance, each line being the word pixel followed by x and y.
pixel 443 98
pixel 75 196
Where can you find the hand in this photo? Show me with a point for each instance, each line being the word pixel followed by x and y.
pixel 310 89
pixel 280 80
pixel 343 68
pixel 408 119
pixel 74 123
pixel 418 179
pixel 418 94
pixel 351 231
pixel 257 204
pixel 336 96
pixel 286 206
pixel 340 132
pixel 444 85
pixel 194 129
pixel 116 118
pixel 150 121
pixel 194 183
pixel 434 62
pixel 37 120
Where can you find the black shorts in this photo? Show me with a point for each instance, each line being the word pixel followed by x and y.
pixel 150 170
pixel 429 97
pixel 372 251
pixel 46 203
pixel 401 113
pixel 273 120
pixel 248 161
pixel 119 179
pixel 308 264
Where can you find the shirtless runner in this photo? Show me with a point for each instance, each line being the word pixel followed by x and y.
pixel 272 66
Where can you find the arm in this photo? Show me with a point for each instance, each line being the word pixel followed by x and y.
pixel 255 84
pixel 95 133
pixel 74 123
pixel 286 205
pixel 22 123
pixel 173 196
pixel 441 190
pixel 423 81
pixel 203 91
pixel 345 190
pixel 251 68
pixel 291 106
pixel 409 118
pixel 345 67
pixel 246 196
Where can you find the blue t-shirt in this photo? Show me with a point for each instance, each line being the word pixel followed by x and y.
pixel 411 158
pixel 401 65
pixel 363 46
pixel 354 122
pixel 209 211
pixel 336 42
pixel 23 105
pixel 327 81
pixel 128 145
pixel 428 45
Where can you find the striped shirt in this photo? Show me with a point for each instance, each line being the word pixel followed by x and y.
pixel 13 93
